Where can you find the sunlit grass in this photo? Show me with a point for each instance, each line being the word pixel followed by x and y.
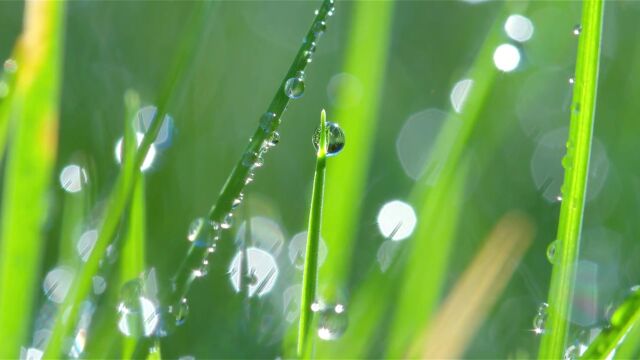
pixel 576 166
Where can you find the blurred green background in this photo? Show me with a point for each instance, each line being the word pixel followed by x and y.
pixel 513 153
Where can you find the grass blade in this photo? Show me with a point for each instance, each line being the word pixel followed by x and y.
pixel 125 182
pixel 477 290
pixel 310 274
pixel 429 255
pixel 576 164
pixel 623 332
pixel 366 60
pixel 30 163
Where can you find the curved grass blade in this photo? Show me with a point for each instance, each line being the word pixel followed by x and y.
pixel 125 182
pixel 623 331
pixel 576 164
pixel 366 60
pixel 30 163
pixel 310 274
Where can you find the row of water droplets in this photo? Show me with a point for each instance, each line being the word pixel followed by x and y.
pixel 139 317
pixel 540 319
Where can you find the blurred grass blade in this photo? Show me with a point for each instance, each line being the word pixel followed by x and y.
pixel 7 87
pixel 365 60
pixel 623 331
pixel 30 162
pixel 123 188
pixel 310 274
pixel 576 165
pixel 132 261
pixel 473 296
pixel 429 255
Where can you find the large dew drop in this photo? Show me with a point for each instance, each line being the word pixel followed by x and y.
pixel 551 251
pixel 335 139
pixel 138 315
pixel 294 87
pixel 332 320
pixel 539 321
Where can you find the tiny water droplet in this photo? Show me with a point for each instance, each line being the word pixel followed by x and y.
pixel 249 159
pixel 267 121
pixel 259 161
pixel 316 12
pixel 577 30
pixel 551 251
pixel 227 222
pixel 294 87
pixel 249 178
pixel 236 202
pixel 572 80
pixel 10 66
pixel 335 138
pixel 539 321
pixel 274 139
pixel 332 322
pixel 194 228
pixel 319 28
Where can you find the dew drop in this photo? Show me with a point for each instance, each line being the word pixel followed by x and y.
pixel 577 30
pixel 249 159
pixel 249 178
pixel 572 80
pixel 319 28
pixel 551 251
pixel 539 321
pixel 201 232
pixel 294 87
pixel 335 139
pixel 274 139
pixel 180 311
pixel 138 315
pixel 332 321
pixel 267 121
pixel 227 222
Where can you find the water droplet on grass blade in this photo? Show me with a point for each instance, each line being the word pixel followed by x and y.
pixel 540 320
pixel 319 28
pixel 332 321
pixel 294 87
pixel 335 138
pixel 138 315
pixel 577 30
pixel 551 251
pixel 227 222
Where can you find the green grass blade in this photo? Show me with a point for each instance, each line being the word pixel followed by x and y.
pixel 243 170
pixel 429 255
pixel 576 164
pixel 30 163
pixel 7 82
pixel 132 261
pixel 310 274
pixel 125 182
pixel 366 60
pixel 622 331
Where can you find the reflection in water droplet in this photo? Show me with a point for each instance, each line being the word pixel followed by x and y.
pixel 86 243
pixel 148 160
pixel 577 30
pixel 143 121
pixel 298 248
pixel 73 178
pixel 138 315
pixel 506 57
pixel 332 322
pixel 335 138
pixel 261 266
pixel 551 251
pixel 396 220
pixel 459 94
pixel 540 320
pixel 57 283
pixel 518 28
pixel 294 87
